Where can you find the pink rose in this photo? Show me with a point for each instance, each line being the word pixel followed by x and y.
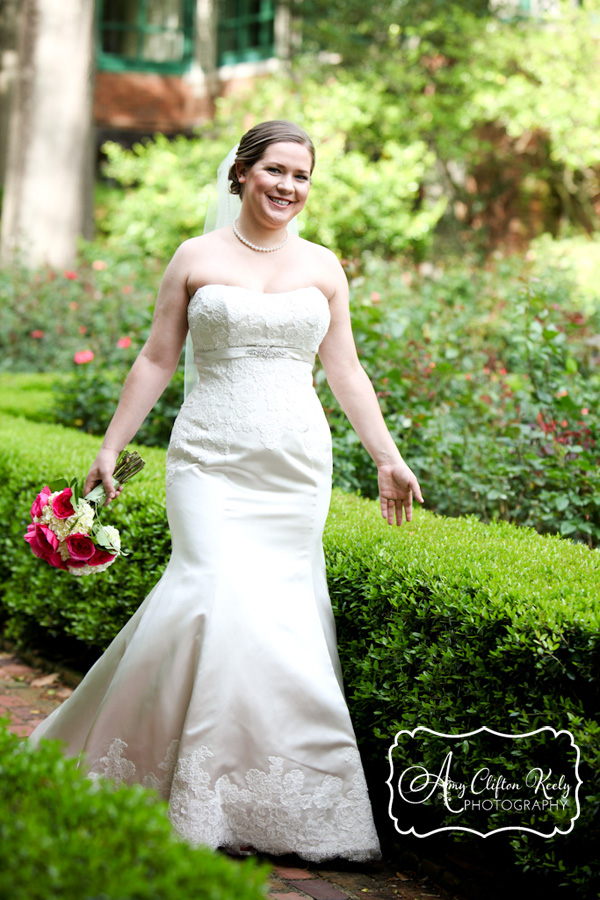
pixel 101 557
pixel 78 563
pixel 124 343
pixel 44 545
pixel 40 502
pixel 83 356
pixel 81 547
pixel 62 506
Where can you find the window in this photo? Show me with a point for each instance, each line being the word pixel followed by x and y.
pixel 147 35
pixel 246 31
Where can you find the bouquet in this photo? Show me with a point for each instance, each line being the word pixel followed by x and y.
pixel 66 531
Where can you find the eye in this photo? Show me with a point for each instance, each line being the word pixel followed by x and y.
pixel 272 169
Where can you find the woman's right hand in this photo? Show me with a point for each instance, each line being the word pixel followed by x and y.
pixel 101 472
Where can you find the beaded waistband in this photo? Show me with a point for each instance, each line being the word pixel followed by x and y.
pixel 259 352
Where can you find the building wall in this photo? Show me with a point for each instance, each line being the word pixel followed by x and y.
pixel 148 103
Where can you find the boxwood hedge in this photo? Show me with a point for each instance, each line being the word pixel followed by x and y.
pixel 446 623
pixel 65 836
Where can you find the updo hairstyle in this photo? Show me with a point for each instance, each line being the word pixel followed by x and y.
pixel 254 143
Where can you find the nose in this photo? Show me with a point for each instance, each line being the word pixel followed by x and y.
pixel 285 183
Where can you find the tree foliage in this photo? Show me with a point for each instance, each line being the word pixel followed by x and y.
pixel 366 193
pixel 508 107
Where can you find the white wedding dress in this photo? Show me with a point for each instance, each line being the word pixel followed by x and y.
pixel 224 689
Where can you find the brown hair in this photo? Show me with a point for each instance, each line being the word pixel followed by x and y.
pixel 254 143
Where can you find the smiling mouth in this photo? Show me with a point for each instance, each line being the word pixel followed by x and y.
pixel 280 201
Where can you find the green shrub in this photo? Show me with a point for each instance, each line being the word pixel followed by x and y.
pixel 65 836
pixel 87 398
pixel 31 395
pixel 89 610
pixel 491 390
pixel 452 624
pixel 447 623
pixel 46 317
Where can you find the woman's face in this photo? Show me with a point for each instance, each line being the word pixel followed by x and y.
pixel 276 187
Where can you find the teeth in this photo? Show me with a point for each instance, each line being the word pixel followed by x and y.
pixel 279 202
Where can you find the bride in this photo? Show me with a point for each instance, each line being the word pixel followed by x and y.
pixel 224 690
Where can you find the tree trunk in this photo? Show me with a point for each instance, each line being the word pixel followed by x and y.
pixel 49 173
pixel 9 18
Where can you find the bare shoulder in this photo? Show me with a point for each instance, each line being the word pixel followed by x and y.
pixel 194 258
pixel 199 246
pixel 329 274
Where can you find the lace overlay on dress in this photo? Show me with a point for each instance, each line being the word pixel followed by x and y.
pixel 274 810
pixel 262 396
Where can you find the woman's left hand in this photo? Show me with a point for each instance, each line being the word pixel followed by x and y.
pixel 397 486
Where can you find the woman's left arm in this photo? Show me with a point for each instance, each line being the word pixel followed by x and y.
pixel 356 396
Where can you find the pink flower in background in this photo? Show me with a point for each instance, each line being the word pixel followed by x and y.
pixel 72 276
pixel 375 297
pixel 127 289
pixel 38 333
pixel 73 305
pixel 124 343
pixel 585 411
pixel 99 265
pixel 83 356
pixel 40 502
pixel 82 329
pixel 62 506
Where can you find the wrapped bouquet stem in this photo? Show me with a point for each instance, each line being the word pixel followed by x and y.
pixel 66 531
pixel 128 465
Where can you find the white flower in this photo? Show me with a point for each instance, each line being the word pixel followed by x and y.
pixel 64 550
pixel 91 570
pixel 79 523
pixel 113 536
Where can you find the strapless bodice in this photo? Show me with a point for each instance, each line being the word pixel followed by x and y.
pixel 254 352
pixel 225 316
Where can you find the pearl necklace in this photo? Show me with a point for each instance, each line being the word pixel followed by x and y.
pixel 255 246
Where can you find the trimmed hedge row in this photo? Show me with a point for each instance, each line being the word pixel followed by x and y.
pixel 65 836
pixel 30 394
pixel 452 624
pixel 446 623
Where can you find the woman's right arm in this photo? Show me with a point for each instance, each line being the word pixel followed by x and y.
pixel 150 373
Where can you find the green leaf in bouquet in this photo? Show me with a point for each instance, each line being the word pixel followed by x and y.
pixel 76 489
pixel 58 484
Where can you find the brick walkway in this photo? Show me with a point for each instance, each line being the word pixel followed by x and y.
pixel 28 695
